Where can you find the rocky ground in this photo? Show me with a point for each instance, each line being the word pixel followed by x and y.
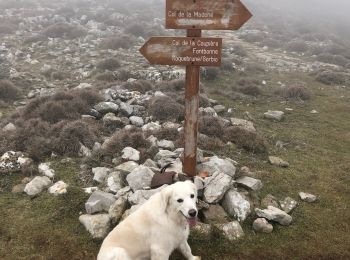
pixel 89 123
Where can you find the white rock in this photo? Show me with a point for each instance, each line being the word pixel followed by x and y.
pixel 140 177
pixel 106 107
pixel 278 161
pixel 84 151
pixel 275 214
pixel 288 204
pixel 274 115
pixel 90 190
pixel 126 109
pixel 236 205
pixel 250 183
pixel 117 209
pixel 215 164
pixel 152 126
pixel 141 196
pixel 262 225
pixel 166 144
pixel 127 167
pixel 307 197
pixel 99 201
pixel 136 121
pixel 114 182
pixel 44 169
pixel 9 128
pixel 130 154
pixel 232 230
pixel 219 108
pixel 37 185
pixel 216 187
pixel 58 188
pixel 100 173
pixel 97 225
pixel 245 124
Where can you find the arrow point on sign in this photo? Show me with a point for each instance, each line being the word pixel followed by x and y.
pixel 245 14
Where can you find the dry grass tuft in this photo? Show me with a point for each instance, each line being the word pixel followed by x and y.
pixel 165 109
pixel 8 91
pixel 211 126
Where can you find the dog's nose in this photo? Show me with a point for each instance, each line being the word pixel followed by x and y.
pixel 192 213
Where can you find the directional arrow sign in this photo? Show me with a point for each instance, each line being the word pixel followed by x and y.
pixel 183 51
pixel 206 14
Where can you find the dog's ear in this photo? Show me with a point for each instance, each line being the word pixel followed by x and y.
pixel 165 195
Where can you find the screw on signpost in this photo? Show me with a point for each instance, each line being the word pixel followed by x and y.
pixel 194 51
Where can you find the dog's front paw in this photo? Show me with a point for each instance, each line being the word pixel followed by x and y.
pixel 197 258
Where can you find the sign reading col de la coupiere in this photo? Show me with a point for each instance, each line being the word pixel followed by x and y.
pixel 183 51
pixel 206 14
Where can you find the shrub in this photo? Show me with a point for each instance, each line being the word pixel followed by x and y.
pixel 8 91
pixel 165 109
pixel 254 68
pixel 107 76
pixel 64 30
pixel 297 46
pixel 209 143
pixel 250 141
pixel 141 86
pixel 7 28
pixel 295 92
pixel 63 105
pixel 175 85
pixel 72 135
pixel 210 73
pixel 238 50
pixel 136 29
pixel 210 126
pixel 331 78
pixel 123 41
pixel 166 133
pixel 226 65
pixel 109 64
pixel 332 59
pixel 124 138
pixel 123 74
pixel 249 87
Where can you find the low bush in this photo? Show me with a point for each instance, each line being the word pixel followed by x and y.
pixel 134 138
pixel 250 141
pixel 297 46
pixel 8 91
pixel 141 86
pixel 122 41
pixel 333 59
pixel 211 126
pixel 110 64
pixel 63 105
pixel 175 85
pixel 249 87
pixel 165 109
pixel 209 143
pixel 226 65
pixel 254 68
pixel 136 29
pixel 106 76
pixel 64 30
pixel 166 133
pixel 123 74
pixel 210 73
pixel 7 28
pixel 332 78
pixel 295 92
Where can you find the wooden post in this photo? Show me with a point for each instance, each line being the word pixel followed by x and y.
pixel 191 114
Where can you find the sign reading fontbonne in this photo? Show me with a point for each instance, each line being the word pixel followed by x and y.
pixel 206 14
pixel 185 51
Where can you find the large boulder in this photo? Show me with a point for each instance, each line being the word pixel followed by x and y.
pixel 99 201
pixel 115 182
pixel 261 225
pixel 100 173
pixel 275 214
pixel 58 188
pixel 141 196
pixel 250 183
pixel 216 187
pixel 37 185
pixel 232 230
pixel 274 115
pixel 117 209
pixel 236 205
pixel 140 178
pixel 106 107
pixel 97 225
pixel 215 164
pixel 130 154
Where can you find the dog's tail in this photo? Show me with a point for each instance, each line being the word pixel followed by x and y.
pixel 115 253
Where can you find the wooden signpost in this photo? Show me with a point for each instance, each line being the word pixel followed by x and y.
pixel 194 51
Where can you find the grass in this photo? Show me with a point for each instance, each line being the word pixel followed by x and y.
pixel 318 151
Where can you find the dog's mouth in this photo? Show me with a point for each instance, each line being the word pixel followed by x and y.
pixel 192 221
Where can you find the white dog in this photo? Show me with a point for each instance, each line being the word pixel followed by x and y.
pixel 157 228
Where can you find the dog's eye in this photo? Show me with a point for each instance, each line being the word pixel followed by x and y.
pixel 180 200
pixel 192 196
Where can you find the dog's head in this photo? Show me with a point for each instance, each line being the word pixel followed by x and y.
pixel 181 197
